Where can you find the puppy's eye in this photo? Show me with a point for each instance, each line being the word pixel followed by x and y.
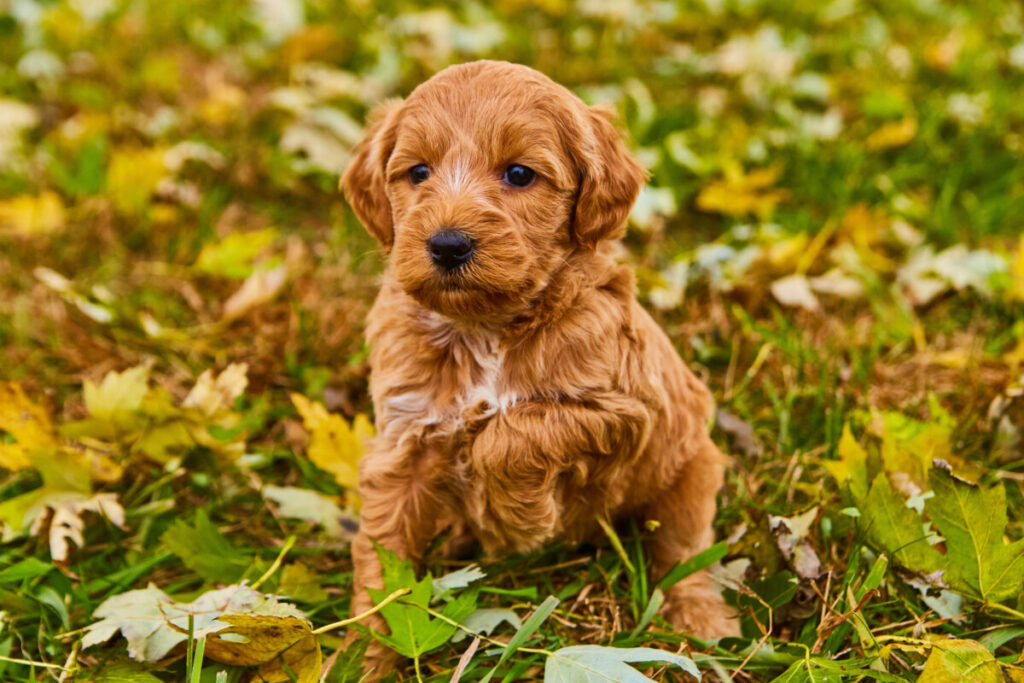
pixel 419 173
pixel 519 175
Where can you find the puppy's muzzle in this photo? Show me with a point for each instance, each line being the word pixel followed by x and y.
pixel 450 249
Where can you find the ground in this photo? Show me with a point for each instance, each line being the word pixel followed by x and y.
pixel 832 237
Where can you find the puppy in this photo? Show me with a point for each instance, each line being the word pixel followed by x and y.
pixel 520 390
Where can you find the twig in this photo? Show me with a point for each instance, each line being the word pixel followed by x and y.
pixel 70 665
pixel 465 659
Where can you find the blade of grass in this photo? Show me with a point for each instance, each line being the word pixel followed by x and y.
pixel 528 628
pixel 693 565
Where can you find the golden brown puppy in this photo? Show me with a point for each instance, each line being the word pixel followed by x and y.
pixel 520 389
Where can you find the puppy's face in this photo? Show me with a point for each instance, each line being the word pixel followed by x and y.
pixel 482 182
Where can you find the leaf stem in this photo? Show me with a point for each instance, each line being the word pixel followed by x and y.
pixel 1007 610
pixel 288 544
pixel 29 662
pixel 359 617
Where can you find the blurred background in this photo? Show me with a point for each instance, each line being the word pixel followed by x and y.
pixel 155 155
pixel 832 237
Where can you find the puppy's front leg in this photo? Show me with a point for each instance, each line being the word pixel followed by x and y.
pixel 519 456
pixel 684 514
pixel 403 499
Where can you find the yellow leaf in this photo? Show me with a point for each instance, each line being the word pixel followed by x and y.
pixel 893 134
pixel 1017 272
pixel 865 228
pixel 119 395
pixel 32 214
pixel 335 446
pixel 26 422
pixel 132 176
pixel 852 463
pixel 739 194
pixel 215 396
pixel 268 642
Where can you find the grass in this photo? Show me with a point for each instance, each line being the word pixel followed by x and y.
pixel 883 130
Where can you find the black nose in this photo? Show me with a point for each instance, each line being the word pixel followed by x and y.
pixel 450 248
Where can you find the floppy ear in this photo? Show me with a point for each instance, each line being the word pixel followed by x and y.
pixel 363 181
pixel 610 180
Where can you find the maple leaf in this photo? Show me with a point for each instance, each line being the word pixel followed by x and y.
pixel 335 446
pixel 852 465
pixel 66 523
pixel 26 422
pixel 118 397
pixel 241 625
pixel 310 506
pixel 894 528
pixel 973 521
pixel 739 193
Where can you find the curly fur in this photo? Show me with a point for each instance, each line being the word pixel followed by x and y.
pixel 527 393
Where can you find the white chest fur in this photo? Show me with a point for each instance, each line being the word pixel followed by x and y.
pixel 473 387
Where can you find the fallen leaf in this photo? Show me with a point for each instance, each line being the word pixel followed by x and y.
pixel 791 534
pixel 960 661
pixel 599 664
pixel 335 446
pixel 154 624
pixel 485 620
pixel 896 529
pixel 893 134
pixel 233 255
pixel 132 177
pixel 32 215
pixel 66 523
pixel 741 431
pixel 795 290
pixel 973 521
pixel 739 193
pixel 852 464
pixel 310 506
pixel 259 288
pixel 270 642
pixel 118 396
pixel 26 422
pixel 215 396
pixel 301 583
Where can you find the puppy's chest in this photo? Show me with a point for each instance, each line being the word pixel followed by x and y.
pixel 452 381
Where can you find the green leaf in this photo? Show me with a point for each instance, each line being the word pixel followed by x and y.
pixel 973 521
pixel 413 631
pixel 701 560
pixel 204 550
pixel 960 661
pixel 123 672
pixel 896 529
pixel 528 628
pixel 597 664
pixel 29 568
pixel 822 670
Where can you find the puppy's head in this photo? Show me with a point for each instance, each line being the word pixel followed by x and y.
pixel 483 180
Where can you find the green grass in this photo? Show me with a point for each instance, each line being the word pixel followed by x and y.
pixel 706 91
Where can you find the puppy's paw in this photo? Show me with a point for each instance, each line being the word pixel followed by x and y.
pixel 701 611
